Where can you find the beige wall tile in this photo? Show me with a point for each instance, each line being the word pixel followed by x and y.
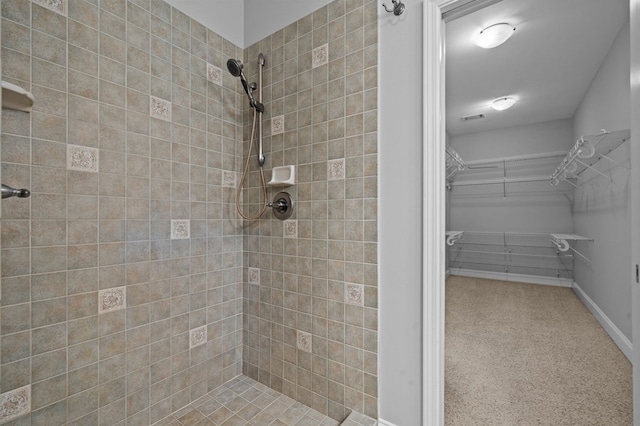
pixel 81 231
pixel 326 114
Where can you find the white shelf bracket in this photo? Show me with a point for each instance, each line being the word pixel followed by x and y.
pixel 454 162
pixel 594 169
pixel 453 237
pixel 561 241
pixel 581 255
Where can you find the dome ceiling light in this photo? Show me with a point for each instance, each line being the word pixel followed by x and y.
pixel 503 103
pixel 494 35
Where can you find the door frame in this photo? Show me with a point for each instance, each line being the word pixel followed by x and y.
pixel 433 268
pixel 634 23
pixel 433 223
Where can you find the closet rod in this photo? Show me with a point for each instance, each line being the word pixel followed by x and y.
pixel 539 156
pixel 502 253
pixel 508 233
pixel 501 181
pixel 504 264
pixel 502 244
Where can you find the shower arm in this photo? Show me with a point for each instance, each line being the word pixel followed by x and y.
pixel 261 158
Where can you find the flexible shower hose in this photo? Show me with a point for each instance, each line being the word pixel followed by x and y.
pixel 244 176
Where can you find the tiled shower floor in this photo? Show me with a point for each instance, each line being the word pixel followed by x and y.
pixel 243 402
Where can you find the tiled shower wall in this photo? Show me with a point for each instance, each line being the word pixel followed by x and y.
pixel 310 306
pixel 130 243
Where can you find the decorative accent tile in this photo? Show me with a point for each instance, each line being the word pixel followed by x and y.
pixel 354 294
pixel 290 229
pixel 160 108
pixel 180 229
pixel 82 158
pixel 228 179
pixel 112 299
pixel 254 276
pixel 15 403
pixel 304 341
pixel 335 169
pixel 320 55
pixel 58 6
pixel 197 336
pixel 277 125
pixel 214 74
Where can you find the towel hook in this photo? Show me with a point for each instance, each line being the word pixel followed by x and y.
pixel 398 7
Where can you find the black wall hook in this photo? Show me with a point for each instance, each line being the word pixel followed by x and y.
pixel 398 7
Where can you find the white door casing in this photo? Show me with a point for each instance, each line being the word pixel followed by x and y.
pixel 433 268
pixel 634 73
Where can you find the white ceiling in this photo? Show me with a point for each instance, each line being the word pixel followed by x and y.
pixel 548 63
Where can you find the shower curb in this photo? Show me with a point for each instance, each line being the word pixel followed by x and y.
pixel 357 419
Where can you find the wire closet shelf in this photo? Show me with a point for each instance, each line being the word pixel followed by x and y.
pixel 541 173
pixel 521 175
pixel 521 253
pixel 585 153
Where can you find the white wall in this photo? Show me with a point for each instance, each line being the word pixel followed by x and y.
pixel 602 208
pixel 535 138
pixel 542 210
pixel 400 214
pixel 606 103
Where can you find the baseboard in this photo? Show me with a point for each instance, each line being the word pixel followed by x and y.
pixel 518 278
pixel 614 332
pixel 384 423
pixel 447 273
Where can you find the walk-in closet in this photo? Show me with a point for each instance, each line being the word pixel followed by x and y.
pixel 538 291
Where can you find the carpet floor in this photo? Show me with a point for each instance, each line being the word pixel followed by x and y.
pixel 525 354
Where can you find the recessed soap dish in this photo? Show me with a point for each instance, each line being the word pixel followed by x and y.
pixel 15 97
pixel 283 176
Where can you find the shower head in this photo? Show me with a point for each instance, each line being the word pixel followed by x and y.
pixel 235 67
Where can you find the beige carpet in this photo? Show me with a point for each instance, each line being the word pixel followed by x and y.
pixel 524 354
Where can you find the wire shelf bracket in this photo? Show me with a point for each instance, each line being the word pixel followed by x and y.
pixel 561 241
pixel 454 163
pixel 453 237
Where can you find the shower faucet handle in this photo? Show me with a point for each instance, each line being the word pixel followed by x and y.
pixel 8 191
pixel 282 205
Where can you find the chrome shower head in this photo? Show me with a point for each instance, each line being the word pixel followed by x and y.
pixel 235 67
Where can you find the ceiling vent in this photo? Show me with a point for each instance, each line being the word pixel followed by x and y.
pixel 473 117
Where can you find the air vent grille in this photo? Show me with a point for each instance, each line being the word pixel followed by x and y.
pixel 473 117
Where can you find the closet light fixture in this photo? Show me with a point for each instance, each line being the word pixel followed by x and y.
pixel 494 35
pixel 503 103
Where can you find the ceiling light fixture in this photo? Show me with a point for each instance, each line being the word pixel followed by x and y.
pixel 503 103
pixel 494 35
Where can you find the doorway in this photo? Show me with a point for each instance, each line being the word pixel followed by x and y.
pixel 434 100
